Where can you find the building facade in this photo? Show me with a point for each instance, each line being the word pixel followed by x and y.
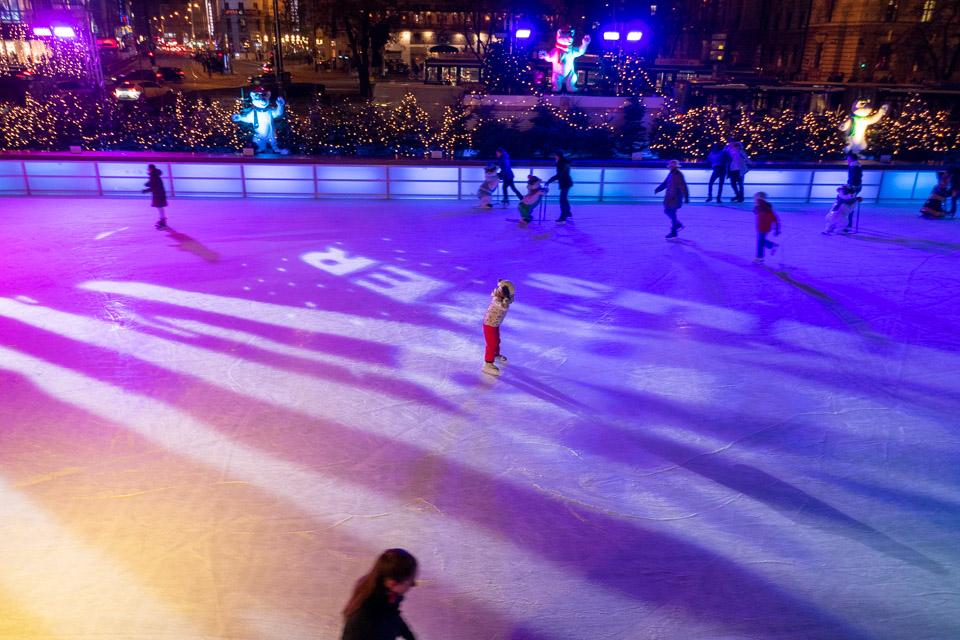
pixel 897 41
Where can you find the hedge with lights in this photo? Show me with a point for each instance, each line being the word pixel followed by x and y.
pixel 368 129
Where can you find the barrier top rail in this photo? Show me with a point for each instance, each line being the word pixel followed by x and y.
pixel 232 175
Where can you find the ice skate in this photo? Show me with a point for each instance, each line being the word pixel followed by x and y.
pixel 500 358
pixel 490 368
pixel 672 234
pixel 758 261
pixel 774 248
pixel 161 224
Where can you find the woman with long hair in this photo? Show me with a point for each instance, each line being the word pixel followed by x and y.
pixel 373 612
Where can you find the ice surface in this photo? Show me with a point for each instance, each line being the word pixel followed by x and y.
pixel 211 432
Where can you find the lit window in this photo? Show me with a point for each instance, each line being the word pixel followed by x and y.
pixel 653 9
pixel 928 8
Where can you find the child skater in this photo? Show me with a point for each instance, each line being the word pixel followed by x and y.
pixel 535 191
pixel 501 298
pixel 766 219
pixel 373 612
pixel 847 199
pixel 155 186
pixel 489 186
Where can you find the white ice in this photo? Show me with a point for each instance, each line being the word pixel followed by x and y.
pixel 211 432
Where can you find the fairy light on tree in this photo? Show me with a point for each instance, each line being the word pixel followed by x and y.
pixel 915 132
pixel 408 132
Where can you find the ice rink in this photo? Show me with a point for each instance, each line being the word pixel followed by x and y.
pixel 211 432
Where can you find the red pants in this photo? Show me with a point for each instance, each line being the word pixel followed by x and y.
pixel 492 335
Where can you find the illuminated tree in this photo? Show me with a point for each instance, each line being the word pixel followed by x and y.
pixel 408 128
pixel 688 134
pixel 454 135
pixel 506 73
pixel 913 133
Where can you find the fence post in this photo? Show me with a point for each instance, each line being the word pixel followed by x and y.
pixel 603 173
pixel 173 188
pixel 26 180
pixel 96 170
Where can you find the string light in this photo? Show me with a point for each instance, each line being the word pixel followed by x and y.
pixel 405 129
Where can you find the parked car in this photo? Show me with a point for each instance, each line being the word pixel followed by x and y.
pixel 171 74
pixel 133 91
pixel 140 75
pixel 269 78
pixel 73 87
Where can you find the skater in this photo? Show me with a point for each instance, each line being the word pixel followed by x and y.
pixel 501 299
pixel 842 209
pixel 933 208
pixel 854 173
pixel 766 219
pixel 506 174
pixel 737 169
pixel 489 186
pixel 155 187
pixel 718 158
pixel 676 194
pixel 373 612
pixel 535 191
pixel 562 176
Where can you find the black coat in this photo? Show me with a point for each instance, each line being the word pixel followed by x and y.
pixel 155 186
pixel 855 176
pixel 506 171
pixel 563 174
pixel 377 619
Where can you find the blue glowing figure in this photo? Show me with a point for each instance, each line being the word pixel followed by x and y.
pixel 261 116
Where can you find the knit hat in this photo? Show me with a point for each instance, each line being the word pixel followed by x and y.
pixel 508 287
pixel 490 167
pixel 673 164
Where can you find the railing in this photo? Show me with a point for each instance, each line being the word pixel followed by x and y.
pixel 190 176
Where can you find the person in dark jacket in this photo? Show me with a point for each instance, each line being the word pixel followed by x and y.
pixel 562 176
pixel 506 174
pixel 676 194
pixel 155 187
pixel 854 173
pixel 373 612
pixel 855 180
pixel 718 159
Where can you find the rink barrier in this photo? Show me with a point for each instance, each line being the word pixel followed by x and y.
pixel 79 175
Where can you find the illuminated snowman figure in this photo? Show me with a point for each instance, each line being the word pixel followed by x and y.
pixel 861 118
pixel 261 116
pixel 561 59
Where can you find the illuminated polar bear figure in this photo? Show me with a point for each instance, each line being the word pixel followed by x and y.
pixel 562 57
pixel 860 118
pixel 261 116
